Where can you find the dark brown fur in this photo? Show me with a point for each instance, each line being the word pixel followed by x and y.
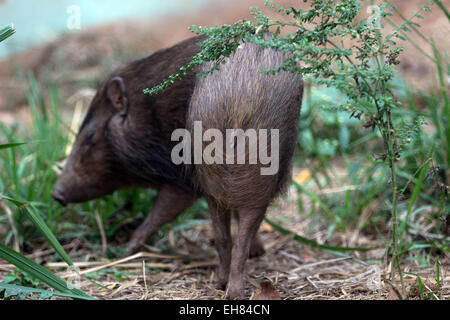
pixel 238 96
pixel 110 155
pixel 125 141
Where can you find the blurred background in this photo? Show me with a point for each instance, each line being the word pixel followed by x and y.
pixel 79 41
pixel 63 50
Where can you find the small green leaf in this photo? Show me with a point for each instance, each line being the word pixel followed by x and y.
pixel 313 243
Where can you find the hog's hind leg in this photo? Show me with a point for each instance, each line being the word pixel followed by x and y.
pixel 257 247
pixel 249 222
pixel 221 218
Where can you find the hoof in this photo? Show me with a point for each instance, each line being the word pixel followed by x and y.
pixel 222 285
pixel 234 294
pixel 133 246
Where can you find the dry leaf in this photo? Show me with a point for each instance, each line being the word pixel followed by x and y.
pixel 266 291
pixel 392 295
pixel 112 286
pixel 303 176
pixel 306 257
pixel 267 227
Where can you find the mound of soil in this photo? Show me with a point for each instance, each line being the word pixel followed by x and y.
pixel 83 59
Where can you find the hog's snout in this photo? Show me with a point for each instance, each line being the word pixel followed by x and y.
pixel 58 195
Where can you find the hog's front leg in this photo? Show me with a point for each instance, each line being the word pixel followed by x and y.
pixel 170 203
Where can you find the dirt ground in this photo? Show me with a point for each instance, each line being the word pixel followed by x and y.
pixel 297 272
pixel 77 62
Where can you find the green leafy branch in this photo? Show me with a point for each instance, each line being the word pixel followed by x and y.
pixel 329 48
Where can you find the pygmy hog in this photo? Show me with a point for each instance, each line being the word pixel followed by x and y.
pixel 126 140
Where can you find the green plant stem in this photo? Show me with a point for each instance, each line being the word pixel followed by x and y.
pixel 441 6
pixel 395 223
pixel 446 107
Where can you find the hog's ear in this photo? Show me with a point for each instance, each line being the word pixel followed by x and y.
pixel 117 94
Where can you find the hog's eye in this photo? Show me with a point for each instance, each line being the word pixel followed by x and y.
pixel 87 141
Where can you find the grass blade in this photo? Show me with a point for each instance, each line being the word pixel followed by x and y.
pixel 441 68
pixel 37 220
pixel 441 6
pixel 11 145
pixel 438 274
pixel 419 284
pixel 6 32
pixel 31 211
pixel 38 271
pixel 314 198
pixel 416 192
pixel 313 243
pixel 14 201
